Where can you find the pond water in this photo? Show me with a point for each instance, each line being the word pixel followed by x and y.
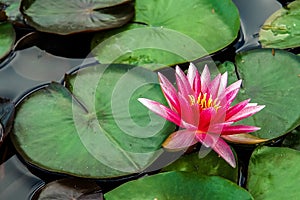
pixel 41 58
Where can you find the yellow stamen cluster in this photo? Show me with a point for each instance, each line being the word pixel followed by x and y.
pixel 205 102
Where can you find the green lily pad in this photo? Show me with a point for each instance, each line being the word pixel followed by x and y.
pixel 66 17
pixel 211 164
pixel 272 80
pixel 12 10
pixel 70 189
pixel 99 130
pixel 274 173
pixel 179 186
pixel 161 36
pixel 7 38
pixel 282 28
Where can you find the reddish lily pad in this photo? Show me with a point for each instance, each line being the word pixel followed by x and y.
pixel 271 79
pixel 7 38
pixel 94 127
pixel 282 28
pixel 160 34
pixel 274 173
pixel 71 189
pixel 66 17
pixel 179 186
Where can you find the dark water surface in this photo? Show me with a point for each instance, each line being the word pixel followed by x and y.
pixel 34 64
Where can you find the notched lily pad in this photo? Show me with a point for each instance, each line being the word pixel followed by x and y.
pixel 282 28
pixel 7 38
pixel 70 189
pixel 179 186
pixel 274 173
pixel 160 35
pixel 66 17
pixel 272 80
pixel 99 130
pixel 211 164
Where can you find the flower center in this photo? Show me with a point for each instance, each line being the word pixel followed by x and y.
pixel 204 102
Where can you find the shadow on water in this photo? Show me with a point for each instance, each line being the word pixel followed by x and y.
pixel 41 58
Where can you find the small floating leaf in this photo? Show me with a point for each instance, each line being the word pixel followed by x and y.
pixel 99 130
pixel 65 17
pixel 282 28
pixel 7 38
pixel 160 34
pixel 274 173
pixel 179 186
pixel 211 164
pixel 271 81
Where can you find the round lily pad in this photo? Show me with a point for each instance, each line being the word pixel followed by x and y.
pixel 179 186
pixel 170 32
pixel 7 38
pixel 94 127
pixel 271 79
pixel 66 17
pixel 282 28
pixel 274 173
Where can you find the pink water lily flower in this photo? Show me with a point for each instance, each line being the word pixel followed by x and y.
pixel 201 107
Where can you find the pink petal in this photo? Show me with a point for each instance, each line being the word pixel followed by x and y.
pixel 233 86
pixel 205 118
pixel 191 74
pixel 237 129
pixel 182 83
pixel 214 86
pixel 197 85
pixel 180 140
pixel 169 92
pixel 205 79
pixel 223 84
pixel 161 110
pixel 236 108
pixel 245 112
pixel 219 146
pixel 189 113
pixel 218 127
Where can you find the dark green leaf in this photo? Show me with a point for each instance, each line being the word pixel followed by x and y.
pixel 179 186
pixel 274 173
pixel 65 17
pixel 7 38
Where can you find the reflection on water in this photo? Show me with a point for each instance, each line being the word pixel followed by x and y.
pixel 32 67
pixel 16 182
pixel 253 14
